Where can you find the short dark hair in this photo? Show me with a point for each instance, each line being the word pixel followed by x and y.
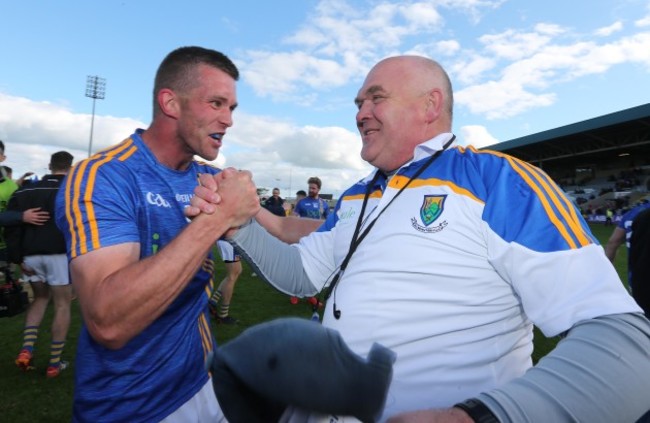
pixel 301 192
pixel 61 160
pixel 314 180
pixel 2 147
pixel 177 69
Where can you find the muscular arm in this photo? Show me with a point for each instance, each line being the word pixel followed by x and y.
pixel 121 295
pixel 615 240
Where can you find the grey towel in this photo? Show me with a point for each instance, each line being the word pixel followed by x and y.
pixel 298 362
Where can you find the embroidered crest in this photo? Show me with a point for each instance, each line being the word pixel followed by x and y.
pixel 431 209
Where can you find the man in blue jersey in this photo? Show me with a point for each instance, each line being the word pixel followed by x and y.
pixel 622 234
pixel 312 206
pixel 639 263
pixel 141 271
pixel 485 247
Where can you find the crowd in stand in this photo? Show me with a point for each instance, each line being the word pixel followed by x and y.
pixel 605 198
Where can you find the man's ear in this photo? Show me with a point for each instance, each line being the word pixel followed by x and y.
pixel 169 102
pixel 435 102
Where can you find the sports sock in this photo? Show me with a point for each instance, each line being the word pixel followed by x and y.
pixel 30 334
pixel 224 309
pixel 55 353
pixel 216 296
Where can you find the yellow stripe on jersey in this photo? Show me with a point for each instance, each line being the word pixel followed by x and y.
pixel 375 194
pixel 566 208
pixel 208 267
pixel 73 211
pixel 128 153
pixel 399 180
pixel 74 219
pixel 544 193
pixel 206 335
pixel 68 212
pixel 209 288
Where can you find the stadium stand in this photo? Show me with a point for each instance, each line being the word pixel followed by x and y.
pixel 601 163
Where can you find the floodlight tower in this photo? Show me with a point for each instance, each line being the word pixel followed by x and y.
pixel 95 89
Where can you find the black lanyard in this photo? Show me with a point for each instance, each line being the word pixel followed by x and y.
pixel 356 238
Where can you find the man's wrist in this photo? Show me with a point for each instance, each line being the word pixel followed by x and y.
pixel 478 411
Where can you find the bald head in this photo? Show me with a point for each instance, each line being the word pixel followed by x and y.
pixel 419 74
pixel 404 101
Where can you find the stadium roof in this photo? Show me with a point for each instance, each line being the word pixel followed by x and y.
pixel 601 139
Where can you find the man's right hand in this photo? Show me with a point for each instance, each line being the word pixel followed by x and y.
pixel 231 191
pixel 205 197
pixel 238 201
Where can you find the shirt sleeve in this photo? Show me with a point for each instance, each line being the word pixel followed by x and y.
pixel 97 209
pixel 540 244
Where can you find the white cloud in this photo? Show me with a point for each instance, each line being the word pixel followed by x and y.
pixel 527 82
pixel 643 22
pixel 339 42
pixel 609 30
pixel 514 45
pixel 472 70
pixel 421 15
pixel 24 158
pixel 279 74
pixel 476 135
pixel 501 99
pixel 33 130
pixel 24 121
pixel 448 47
pixel 269 148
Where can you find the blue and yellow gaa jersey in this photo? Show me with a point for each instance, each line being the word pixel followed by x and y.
pixel 123 195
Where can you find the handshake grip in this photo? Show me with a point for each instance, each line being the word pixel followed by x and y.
pixel 295 362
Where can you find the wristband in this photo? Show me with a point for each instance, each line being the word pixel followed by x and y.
pixel 477 411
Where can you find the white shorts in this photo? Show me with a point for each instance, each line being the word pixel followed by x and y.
pixel 227 251
pixel 202 407
pixel 50 268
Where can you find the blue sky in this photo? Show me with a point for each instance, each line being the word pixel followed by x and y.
pixel 518 67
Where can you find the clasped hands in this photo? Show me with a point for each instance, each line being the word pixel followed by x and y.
pixel 231 195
